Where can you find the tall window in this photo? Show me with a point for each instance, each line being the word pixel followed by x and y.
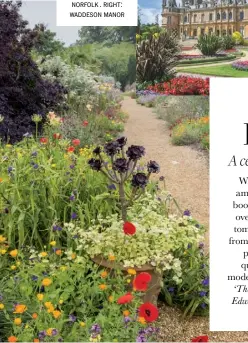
pixel 230 15
pixel 210 16
pixel 241 15
pixel 185 19
pixel 169 20
pixel 218 16
pixel 195 18
pixel 242 31
pixel 202 18
pixel 224 15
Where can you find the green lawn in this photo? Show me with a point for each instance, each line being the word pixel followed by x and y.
pixel 221 70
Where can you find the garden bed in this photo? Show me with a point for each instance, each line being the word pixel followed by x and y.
pixel 205 59
pixel 222 70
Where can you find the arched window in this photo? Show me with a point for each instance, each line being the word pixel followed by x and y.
pixel 224 15
pixel 218 16
pixel 230 15
pixel 241 15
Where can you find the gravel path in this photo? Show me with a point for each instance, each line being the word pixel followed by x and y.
pixel 185 169
pixel 187 174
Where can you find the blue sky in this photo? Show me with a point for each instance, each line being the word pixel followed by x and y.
pixel 149 9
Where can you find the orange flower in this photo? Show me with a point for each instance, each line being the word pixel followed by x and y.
pixel 1 180
pixel 12 339
pixel 43 140
pixel 131 271
pixel 111 258
pixel 34 315
pixel 71 149
pixel 40 296
pixel 73 256
pixel 48 304
pixel 126 313
pixel 58 252
pixel 17 321
pixel 76 142
pixel 56 314
pixel 46 282
pixel 20 308
pixel 141 320
pixel 102 287
pixel 104 274
pixel 13 253
pixel 36 340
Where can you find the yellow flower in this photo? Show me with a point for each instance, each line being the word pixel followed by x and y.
pixel 141 320
pixel 48 304
pixel 53 165
pixel 49 332
pixel 111 258
pixel 53 243
pixel 13 267
pixel 1 180
pixel 131 271
pixel 46 282
pixel 126 313
pixel 82 324
pixel 3 251
pixel 43 254
pixel 73 256
pixel 40 296
pixel 56 314
pixel 1 306
pixel 17 321
pixel 26 326
pixel 50 309
pixel 20 308
pixel 2 238
pixel 13 253
pixel 102 287
pixel 63 268
pixel 104 274
pixel 18 263
pixel 111 298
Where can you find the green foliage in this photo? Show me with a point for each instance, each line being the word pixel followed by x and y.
pixel 209 44
pixel 46 43
pixel 228 42
pixel 106 34
pixel 192 294
pixel 156 58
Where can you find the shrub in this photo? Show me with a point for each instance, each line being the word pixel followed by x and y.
pixel 228 42
pixel 23 92
pixel 238 38
pixel 240 65
pixel 209 45
pixel 156 58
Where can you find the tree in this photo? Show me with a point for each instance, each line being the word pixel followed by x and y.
pixel 23 92
pixel 46 44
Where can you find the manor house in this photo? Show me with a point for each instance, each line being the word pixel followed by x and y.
pixel 191 18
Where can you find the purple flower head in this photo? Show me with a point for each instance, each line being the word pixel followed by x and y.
pixel 162 178
pixel 197 226
pixel 97 150
pixel 72 166
pixel 1 297
pixel 54 332
pixel 95 328
pixel 121 141
pixel 72 198
pixel 201 245
pixel 171 289
pixel 10 169
pixel 203 305
pixel 203 266
pixel 135 152
pixel 153 167
pixel 35 166
pixel 127 319
pixel 34 278
pixel 112 148
pixel 6 210
pixel 112 187
pixel 72 318
pixel 202 293
pixel 34 154
pixel 95 164
pixel 139 180
pixel 187 213
pixel 189 245
pixel 73 215
pixel 141 338
pixel 121 165
pixel 205 282
pixel 42 334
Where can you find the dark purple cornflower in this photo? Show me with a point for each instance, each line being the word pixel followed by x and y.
pixel 72 198
pixel 202 293
pixel 72 318
pixel 42 334
pixel 171 289
pixel 187 213
pixel 127 320
pixel 34 278
pixel 44 273
pixel 72 166
pixel 35 166
pixel 73 215
pixel 205 282
pixel 159 199
pixel 60 339
pixel 112 187
pixel 42 289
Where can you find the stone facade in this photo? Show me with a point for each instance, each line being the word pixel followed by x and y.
pixel 196 17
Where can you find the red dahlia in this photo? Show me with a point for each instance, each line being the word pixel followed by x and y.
pixel 76 142
pixel 141 281
pixel 127 298
pixel 200 339
pixel 149 312
pixel 129 228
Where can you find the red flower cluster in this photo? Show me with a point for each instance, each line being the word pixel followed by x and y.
pixel 183 85
pixel 200 339
pixel 129 228
pixel 141 281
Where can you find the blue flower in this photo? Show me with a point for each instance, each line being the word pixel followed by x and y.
pixel 112 187
pixel 72 198
pixel 203 305
pixel 36 166
pixel 72 318
pixel 171 289
pixel 34 278
pixel 202 293
pixel 73 215
pixel 205 282
pixel 187 213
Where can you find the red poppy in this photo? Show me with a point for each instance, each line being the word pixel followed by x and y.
pixel 43 140
pixel 76 142
pixel 70 149
pixel 148 311
pixel 141 281
pixel 85 123
pixel 129 228
pixel 57 136
pixel 200 339
pixel 127 298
